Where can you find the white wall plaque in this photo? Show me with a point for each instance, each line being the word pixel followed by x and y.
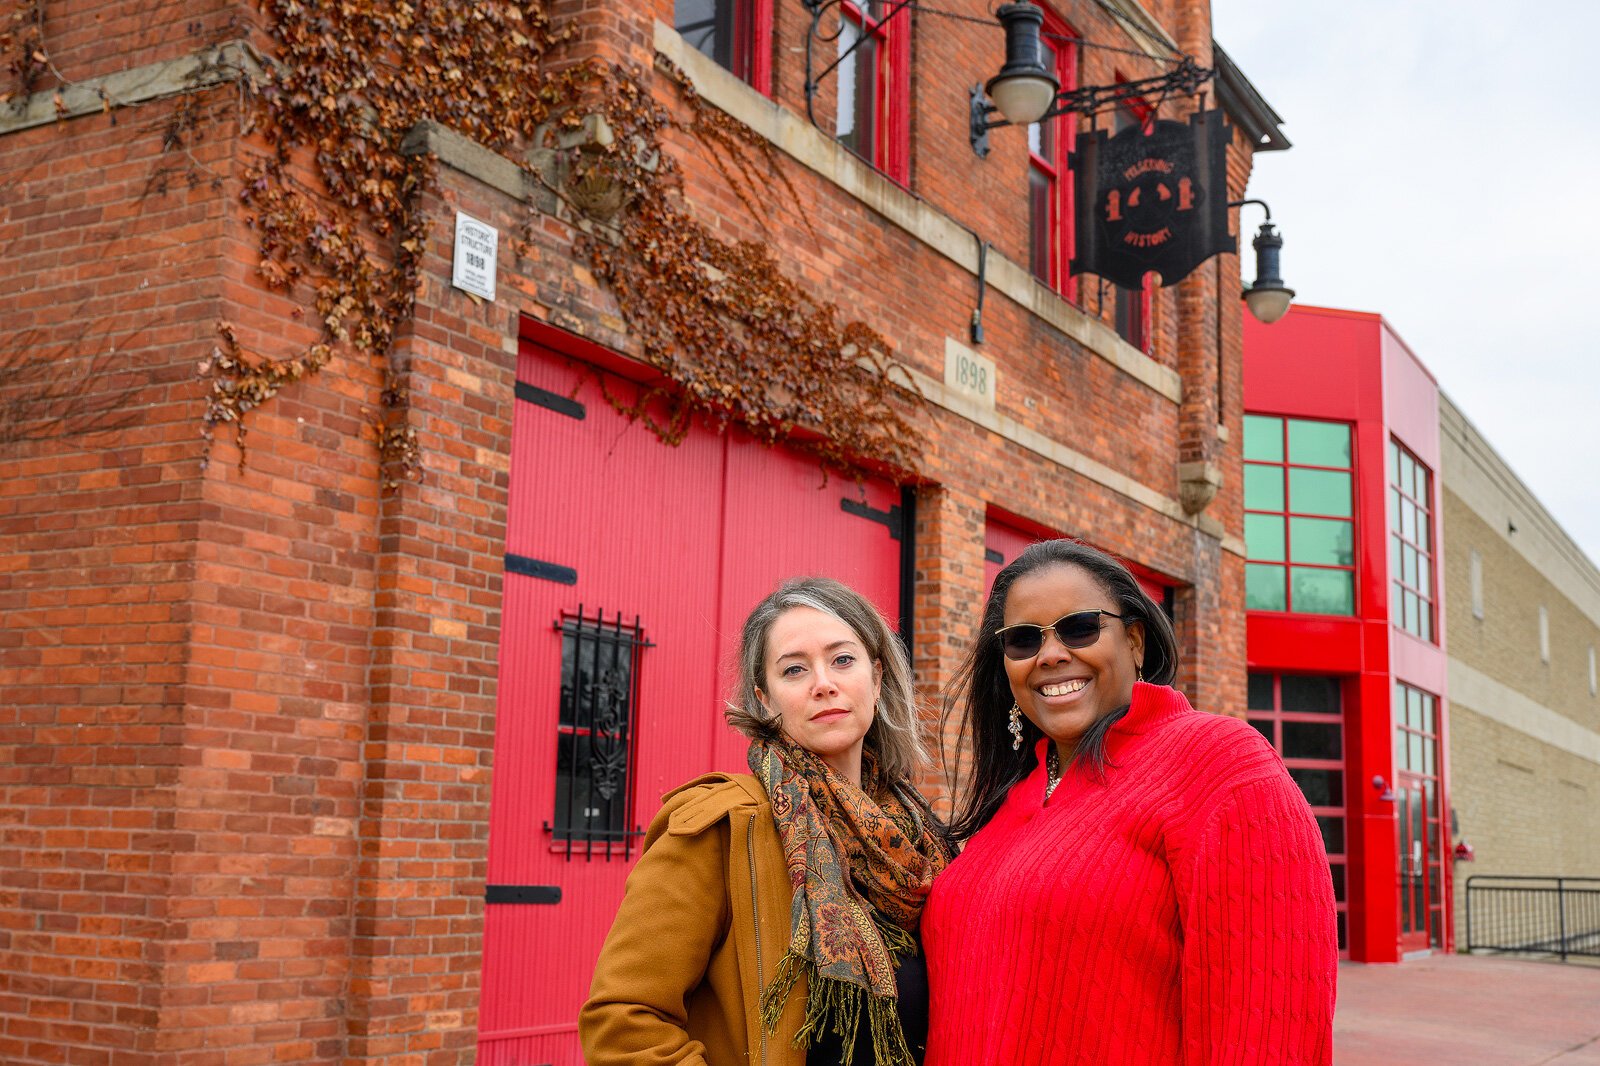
pixel 967 372
pixel 477 245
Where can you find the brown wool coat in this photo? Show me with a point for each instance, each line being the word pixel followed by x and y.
pixel 703 923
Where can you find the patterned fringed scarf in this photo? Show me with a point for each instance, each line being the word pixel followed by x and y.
pixel 842 843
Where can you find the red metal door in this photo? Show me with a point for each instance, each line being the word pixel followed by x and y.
pixel 604 517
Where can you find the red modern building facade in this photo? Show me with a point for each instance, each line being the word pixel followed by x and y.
pixel 1345 645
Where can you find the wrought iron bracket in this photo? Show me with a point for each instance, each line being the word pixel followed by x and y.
pixel 1185 80
pixel 817 9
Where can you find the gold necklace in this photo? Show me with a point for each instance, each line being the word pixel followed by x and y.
pixel 1052 771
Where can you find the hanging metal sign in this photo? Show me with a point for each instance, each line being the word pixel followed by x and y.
pixel 1152 199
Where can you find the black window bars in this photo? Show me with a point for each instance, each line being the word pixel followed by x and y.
pixel 595 734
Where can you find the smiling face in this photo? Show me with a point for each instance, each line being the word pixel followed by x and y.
pixel 1065 690
pixel 822 686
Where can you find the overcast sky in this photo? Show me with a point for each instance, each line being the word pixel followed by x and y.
pixel 1446 173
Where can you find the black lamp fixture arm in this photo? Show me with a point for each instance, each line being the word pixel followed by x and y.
pixel 1184 80
pixel 817 9
pixel 1260 203
pixel 1268 297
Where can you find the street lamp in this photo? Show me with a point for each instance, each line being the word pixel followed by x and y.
pixel 1024 89
pixel 1268 299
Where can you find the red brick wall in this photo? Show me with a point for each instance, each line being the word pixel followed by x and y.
pixel 247 719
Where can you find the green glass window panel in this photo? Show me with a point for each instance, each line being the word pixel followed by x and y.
pixel 1264 588
pixel 1397 607
pixel 1399 749
pixel 1394 557
pixel 1419 482
pixel 1414 745
pixel 1263 438
pixel 1408 565
pixel 1322 591
pixel 1319 443
pixel 1322 540
pixel 1425 623
pixel 1413 708
pixel 1263 488
pixel 1428 704
pixel 1263 537
pixel 1424 575
pixel 1409 618
pixel 1258 692
pixel 1394 509
pixel 1394 463
pixel 1408 520
pixel 1317 492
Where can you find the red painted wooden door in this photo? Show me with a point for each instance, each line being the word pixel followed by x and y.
pixel 1003 542
pixel 680 542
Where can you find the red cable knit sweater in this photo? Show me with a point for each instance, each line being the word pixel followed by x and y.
pixel 1179 912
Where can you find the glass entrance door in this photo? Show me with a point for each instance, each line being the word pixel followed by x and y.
pixel 1419 860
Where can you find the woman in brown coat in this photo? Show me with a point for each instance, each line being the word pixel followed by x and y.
pixel 773 918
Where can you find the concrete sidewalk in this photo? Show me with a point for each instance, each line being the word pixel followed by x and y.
pixel 1445 1010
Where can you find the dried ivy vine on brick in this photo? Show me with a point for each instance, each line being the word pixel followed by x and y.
pixel 22 43
pixel 739 339
pixel 336 203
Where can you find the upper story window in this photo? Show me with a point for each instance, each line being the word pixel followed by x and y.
pixel 873 103
pixel 1132 306
pixel 1411 543
pixel 736 34
pixel 1049 182
pixel 1299 524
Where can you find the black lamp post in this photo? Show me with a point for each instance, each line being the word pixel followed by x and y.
pixel 1268 299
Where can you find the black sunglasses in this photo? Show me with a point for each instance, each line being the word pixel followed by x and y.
pixel 1077 630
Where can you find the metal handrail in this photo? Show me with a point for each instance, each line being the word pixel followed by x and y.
pixel 1519 914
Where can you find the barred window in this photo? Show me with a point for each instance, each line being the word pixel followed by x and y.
pixel 595 731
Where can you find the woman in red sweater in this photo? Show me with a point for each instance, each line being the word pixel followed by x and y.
pixel 1141 883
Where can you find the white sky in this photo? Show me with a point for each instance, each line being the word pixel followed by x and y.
pixel 1446 173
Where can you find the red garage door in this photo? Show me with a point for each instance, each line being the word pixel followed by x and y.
pixel 630 566
pixel 1003 542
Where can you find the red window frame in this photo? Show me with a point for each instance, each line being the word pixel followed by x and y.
pixel 1419 777
pixel 1050 267
pixel 890 87
pixel 1135 327
pixel 1408 497
pixel 1269 716
pixel 1288 563
pixel 752 43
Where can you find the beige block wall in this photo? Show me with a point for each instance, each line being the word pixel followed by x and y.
pixel 1524 732
pixel 1504 643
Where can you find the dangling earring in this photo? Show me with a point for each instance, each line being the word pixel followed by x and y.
pixel 1015 727
pixel 1139 672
